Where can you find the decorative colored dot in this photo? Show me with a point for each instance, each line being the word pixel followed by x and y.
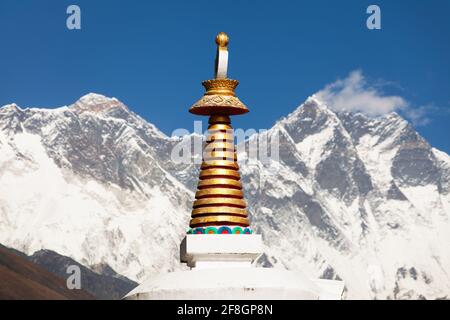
pixel 189 231
pixel 247 231
pixel 224 230
pixel 199 231
pixel 237 230
pixel 211 230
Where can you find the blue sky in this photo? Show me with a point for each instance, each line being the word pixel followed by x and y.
pixel 154 55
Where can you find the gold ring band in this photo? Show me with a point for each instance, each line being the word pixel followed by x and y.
pixel 219 172
pixel 220 182
pixel 204 193
pixel 226 155
pixel 220 126
pixel 219 119
pixel 219 201
pixel 219 146
pixel 220 136
pixel 207 164
pixel 219 210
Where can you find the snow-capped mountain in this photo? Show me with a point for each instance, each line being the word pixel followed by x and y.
pixel 351 197
pixel 86 181
pixel 364 200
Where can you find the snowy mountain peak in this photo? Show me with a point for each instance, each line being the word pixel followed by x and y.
pixel 314 99
pixel 311 101
pixel 95 98
pixel 12 107
pixel 312 120
pixel 94 102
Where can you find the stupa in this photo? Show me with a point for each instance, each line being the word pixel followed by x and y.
pixel 220 248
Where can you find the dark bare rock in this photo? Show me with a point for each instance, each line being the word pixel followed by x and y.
pixel 21 279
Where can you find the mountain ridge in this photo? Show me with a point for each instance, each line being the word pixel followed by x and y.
pixel 22 279
pixel 348 196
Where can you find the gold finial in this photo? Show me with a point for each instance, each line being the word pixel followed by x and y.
pixel 222 40
pixel 219 97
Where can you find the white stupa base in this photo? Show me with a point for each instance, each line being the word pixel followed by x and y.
pixel 221 269
pixel 236 284
pixel 220 250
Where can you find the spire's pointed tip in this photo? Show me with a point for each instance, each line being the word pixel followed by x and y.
pixel 222 40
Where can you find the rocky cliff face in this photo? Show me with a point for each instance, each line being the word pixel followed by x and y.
pixel 351 197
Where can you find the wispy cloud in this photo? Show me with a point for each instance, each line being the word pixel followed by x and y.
pixel 419 115
pixel 353 93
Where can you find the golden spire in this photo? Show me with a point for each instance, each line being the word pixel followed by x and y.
pixel 219 198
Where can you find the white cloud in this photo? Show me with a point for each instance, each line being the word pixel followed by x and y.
pixel 353 93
